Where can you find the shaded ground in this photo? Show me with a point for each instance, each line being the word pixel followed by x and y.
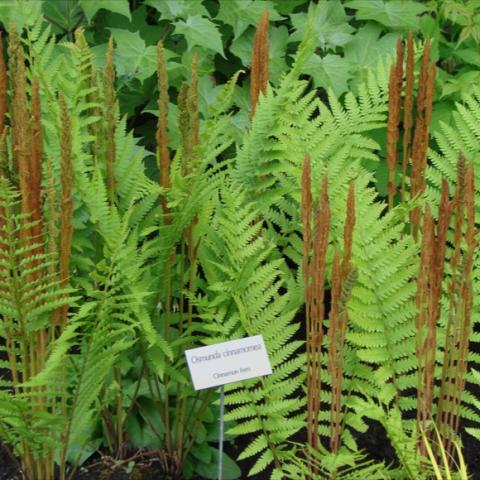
pixel 374 443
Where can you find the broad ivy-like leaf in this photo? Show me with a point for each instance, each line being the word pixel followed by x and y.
pixel 242 46
pixel 139 23
pixel 230 469
pixel 331 28
pixel 172 9
pixel 278 49
pixel 200 31
pixel 366 47
pixel 329 72
pixel 63 14
pixel 91 7
pixel 392 13
pixel 132 57
pixel 240 14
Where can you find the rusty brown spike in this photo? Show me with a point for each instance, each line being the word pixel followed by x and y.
pixel 306 215
pixel 394 110
pixel 408 111
pixel 110 114
pixel 3 87
pixel 35 178
pixel 66 228
pixel 163 154
pixel 259 74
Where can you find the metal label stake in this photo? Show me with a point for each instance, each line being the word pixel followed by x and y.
pixel 220 437
pixel 217 364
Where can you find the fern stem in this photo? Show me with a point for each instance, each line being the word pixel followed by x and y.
pixel 168 310
pixel 119 413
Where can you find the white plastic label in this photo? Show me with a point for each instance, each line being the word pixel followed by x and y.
pixel 228 362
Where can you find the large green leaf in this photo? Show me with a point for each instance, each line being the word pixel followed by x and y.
pixel 230 469
pixel 240 14
pixel 200 31
pixel 172 9
pixel 329 72
pixel 331 26
pixel 132 57
pixel 367 47
pixel 392 13
pixel 62 14
pixel 91 7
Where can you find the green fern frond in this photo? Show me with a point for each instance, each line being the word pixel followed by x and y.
pixel 249 297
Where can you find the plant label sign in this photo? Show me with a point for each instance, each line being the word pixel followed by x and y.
pixel 228 362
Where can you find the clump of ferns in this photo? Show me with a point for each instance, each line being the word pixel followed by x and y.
pixel 34 268
pixel 451 248
pixel 448 249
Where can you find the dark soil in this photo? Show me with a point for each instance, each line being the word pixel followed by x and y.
pixel 374 443
pixel 148 468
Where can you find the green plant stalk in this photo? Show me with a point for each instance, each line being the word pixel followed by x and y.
pixel 28 461
pixel 119 413
pixel 197 421
pixel 181 394
pixel 166 403
pixel 192 256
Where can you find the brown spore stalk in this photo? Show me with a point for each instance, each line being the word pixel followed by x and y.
pixel 20 118
pixel 415 131
pixel 189 120
pixel 426 89
pixel 317 270
pixel 408 111
pixel 394 117
pixel 163 153
pixel 3 111
pixel 460 296
pixel 428 302
pixel 66 214
pixel 184 126
pixel 110 109
pixel 315 246
pixel 343 280
pixel 3 86
pixel 259 72
pixel 35 170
